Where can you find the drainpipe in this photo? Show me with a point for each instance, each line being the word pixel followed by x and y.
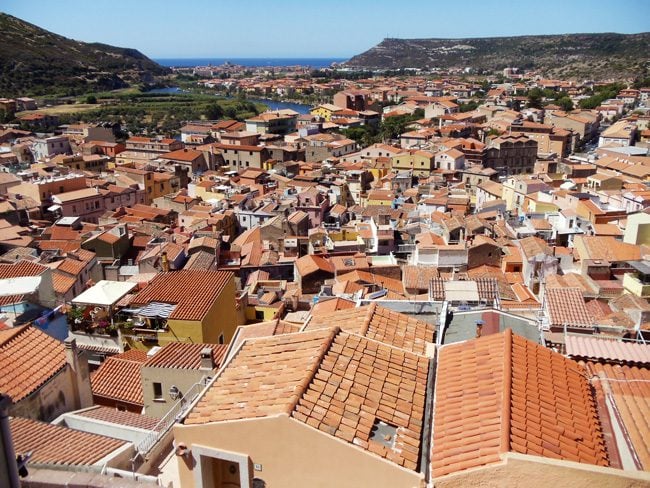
pixel 8 466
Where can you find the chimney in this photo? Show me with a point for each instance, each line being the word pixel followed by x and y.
pixel 70 345
pixel 207 359
pixel 164 261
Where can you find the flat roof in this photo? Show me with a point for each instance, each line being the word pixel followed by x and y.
pixel 104 293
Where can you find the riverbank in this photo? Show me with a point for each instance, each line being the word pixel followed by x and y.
pixel 301 108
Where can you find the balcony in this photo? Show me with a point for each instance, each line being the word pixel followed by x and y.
pixel 636 286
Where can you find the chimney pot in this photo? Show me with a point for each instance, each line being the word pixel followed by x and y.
pixel 207 359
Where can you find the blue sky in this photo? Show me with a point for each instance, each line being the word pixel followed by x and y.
pixel 310 28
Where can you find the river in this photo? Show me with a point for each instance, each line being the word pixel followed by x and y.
pixel 301 108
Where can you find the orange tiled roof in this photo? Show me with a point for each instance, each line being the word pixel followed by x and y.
pixel 62 282
pixel 28 358
pixel 360 382
pixel 120 417
pixel 54 444
pixel 184 355
pixel 567 306
pixel 21 268
pixel 502 393
pixel 309 377
pixel 381 324
pixel 418 277
pixel 629 389
pixel 263 329
pixel 72 266
pixel 310 264
pixel 266 377
pixel 194 291
pixel 118 378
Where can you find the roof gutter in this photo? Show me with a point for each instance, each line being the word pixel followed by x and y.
pixel 427 430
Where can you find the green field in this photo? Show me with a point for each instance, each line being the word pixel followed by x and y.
pixel 162 113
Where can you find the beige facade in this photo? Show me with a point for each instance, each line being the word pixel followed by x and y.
pixel 285 453
pixel 537 472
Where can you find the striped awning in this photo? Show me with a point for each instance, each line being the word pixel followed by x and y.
pixel 157 309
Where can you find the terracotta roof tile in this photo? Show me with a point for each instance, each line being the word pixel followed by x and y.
pixel 62 282
pixel 566 306
pixel 28 358
pixel 266 377
pixel 120 417
pixel 502 393
pixel 310 264
pixel 263 329
pixel 418 277
pixel 629 389
pixel 72 266
pixel 183 355
pixel 53 444
pixel 193 291
pixel 359 276
pixel 118 378
pixel 610 350
pixel 381 324
pixel 359 383
pixel 21 268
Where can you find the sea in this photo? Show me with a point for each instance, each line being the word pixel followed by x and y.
pixel 277 62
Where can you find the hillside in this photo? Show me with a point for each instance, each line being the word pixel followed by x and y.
pixel 571 55
pixel 34 61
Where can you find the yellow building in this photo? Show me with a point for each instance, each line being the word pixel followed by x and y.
pixel 380 197
pixel 420 162
pixel 186 306
pixel 325 111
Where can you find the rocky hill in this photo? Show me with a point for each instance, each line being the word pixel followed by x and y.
pixel 34 61
pixel 570 55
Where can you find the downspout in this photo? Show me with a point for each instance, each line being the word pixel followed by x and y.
pixel 8 467
pixel 427 430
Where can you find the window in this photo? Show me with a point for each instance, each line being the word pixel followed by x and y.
pixel 222 339
pixel 157 391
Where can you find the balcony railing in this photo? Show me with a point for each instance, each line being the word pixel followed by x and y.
pixel 175 414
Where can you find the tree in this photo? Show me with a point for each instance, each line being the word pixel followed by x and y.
pixel 213 111
pixel 535 98
pixel 565 103
pixel 92 99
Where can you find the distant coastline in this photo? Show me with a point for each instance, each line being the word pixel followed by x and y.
pixel 275 62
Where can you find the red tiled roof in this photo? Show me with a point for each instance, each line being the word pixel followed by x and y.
pixel 266 377
pixel 310 264
pixel 194 291
pixel 380 324
pixel 418 277
pixel 21 268
pixel 62 282
pixel 502 393
pixel 28 358
pixel 566 306
pixel 184 355
pixel 120 417
pixel 629 389
pixel 310 377
pixel 54 444
pixel 595 348
pixel 118 378
pixel 359 383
